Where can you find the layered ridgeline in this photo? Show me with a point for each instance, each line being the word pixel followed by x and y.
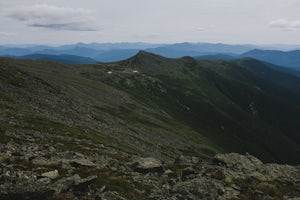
pixel 154 106
pixel 290 59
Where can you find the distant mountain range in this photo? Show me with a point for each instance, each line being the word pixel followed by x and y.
pixel 190 49
pixel 111 52
pixel 118 51
pixel 64 58
pixel 290 59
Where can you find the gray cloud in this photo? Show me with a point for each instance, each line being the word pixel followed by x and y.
pixel 201 29
pixel 7 34
pixel 285 24
pixel 70 26
pixel 235 21
pixel 53 17
pixel 206 28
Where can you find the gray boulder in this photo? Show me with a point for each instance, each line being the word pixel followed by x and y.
pixel 238 161
pixel 52 174
pixel 147 165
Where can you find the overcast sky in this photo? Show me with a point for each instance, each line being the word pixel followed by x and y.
pixel 155 21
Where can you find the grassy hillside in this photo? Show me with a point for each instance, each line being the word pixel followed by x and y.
pixel 151 105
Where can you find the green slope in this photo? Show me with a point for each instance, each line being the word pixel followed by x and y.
pixel 224 101
pixel 151 105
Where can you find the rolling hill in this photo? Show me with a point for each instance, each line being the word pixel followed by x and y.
pixel 290 59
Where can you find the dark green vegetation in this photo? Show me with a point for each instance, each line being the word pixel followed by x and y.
pixel 154 106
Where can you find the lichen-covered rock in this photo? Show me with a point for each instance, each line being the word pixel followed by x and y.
pixel 52 174
pixel 147 165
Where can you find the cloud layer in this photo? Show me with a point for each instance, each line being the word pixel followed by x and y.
pixel 285 24
pixel 53 17
pixel 156 21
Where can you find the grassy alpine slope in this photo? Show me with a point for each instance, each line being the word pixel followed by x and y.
pixel 154 106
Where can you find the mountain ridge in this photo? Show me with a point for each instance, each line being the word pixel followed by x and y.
pixel 148 127
pixel 181 91
pixel 112 52
pixel 289 59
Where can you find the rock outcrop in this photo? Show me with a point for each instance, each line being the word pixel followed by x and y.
pixel 33 169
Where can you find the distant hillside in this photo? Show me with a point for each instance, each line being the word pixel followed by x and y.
pixel 6 51
pixel 289 59
pixel 272 73
pixel 288 62
pixel 216 56
pixel 115 55
pixel 64 58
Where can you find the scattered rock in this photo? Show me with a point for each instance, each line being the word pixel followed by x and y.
pixel 147 165
pixel 102 189
pixel 82 184
pixel 44 161
pixel 187 171
pixel 110 195
pixel 52 174
pixel 169 172
pixel 66 183
pixel 228 176
pixel 81 163
pixel 237 161
pixel 16 184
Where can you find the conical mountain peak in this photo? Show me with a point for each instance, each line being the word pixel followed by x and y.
pixel 146 55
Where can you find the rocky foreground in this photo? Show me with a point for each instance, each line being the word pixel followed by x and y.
pixel 40 167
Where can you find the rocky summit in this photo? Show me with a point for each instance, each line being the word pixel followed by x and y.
pixel 34 170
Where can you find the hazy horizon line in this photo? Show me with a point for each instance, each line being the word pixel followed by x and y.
pixel 151 43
